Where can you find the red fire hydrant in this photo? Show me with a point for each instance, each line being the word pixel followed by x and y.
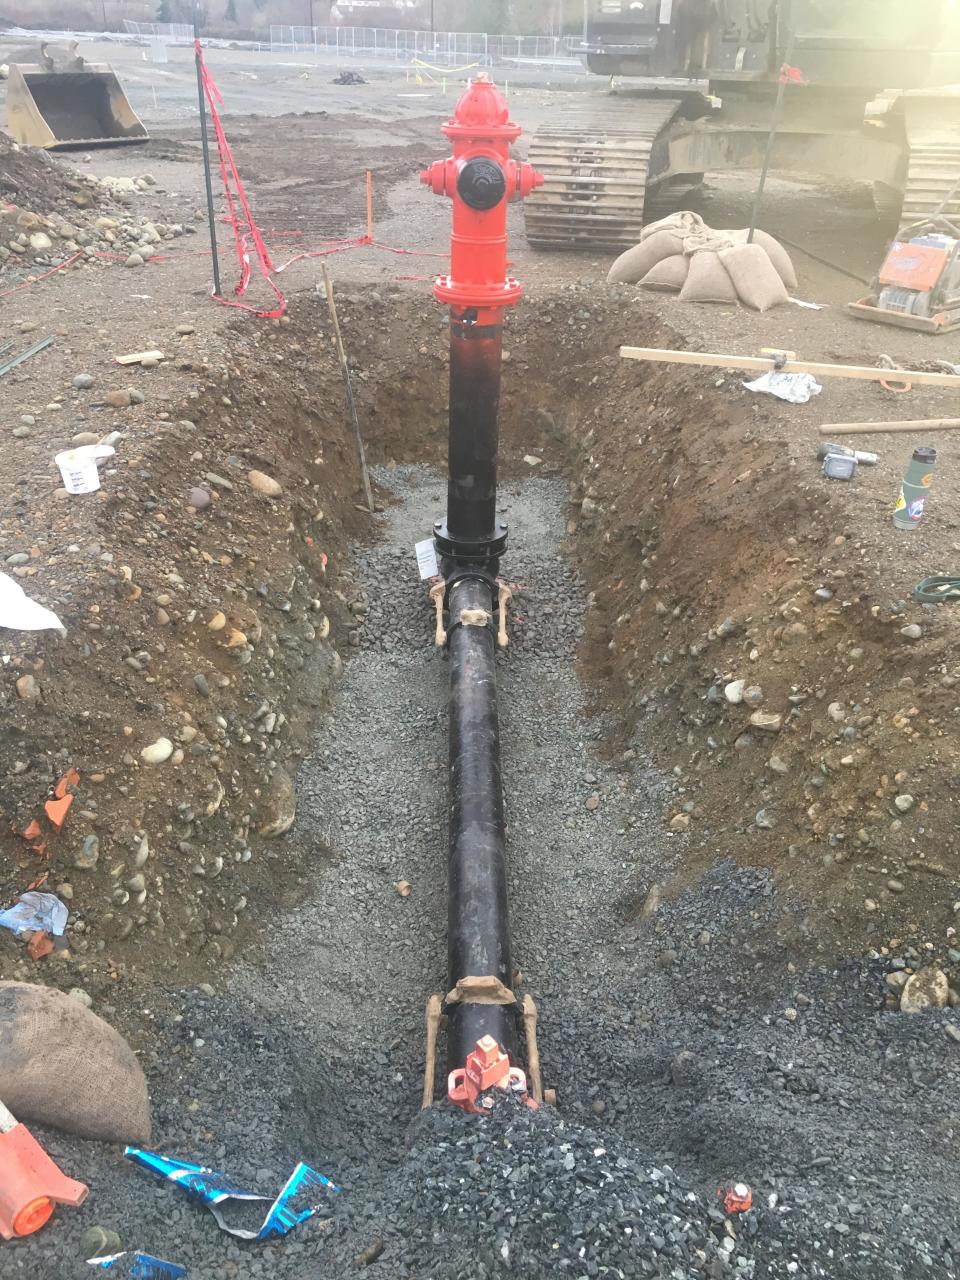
pixel 480 178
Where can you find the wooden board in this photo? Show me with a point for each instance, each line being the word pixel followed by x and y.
pixel 136 356
pixel 759 364
pixel 869 428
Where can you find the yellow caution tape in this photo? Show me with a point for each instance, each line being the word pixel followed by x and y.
pixel 444 71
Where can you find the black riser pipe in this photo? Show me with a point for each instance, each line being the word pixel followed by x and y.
pixel 478 938
pixel 475 356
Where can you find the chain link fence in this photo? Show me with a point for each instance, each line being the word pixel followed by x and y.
pixel 168 32
pixel 451 48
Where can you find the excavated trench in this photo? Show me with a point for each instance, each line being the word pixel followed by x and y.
pixel 687 1020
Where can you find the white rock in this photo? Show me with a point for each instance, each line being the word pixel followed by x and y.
pixel 40 241
pixel 733 692
pixel 926 989
pixel 157 751
pixel 770 721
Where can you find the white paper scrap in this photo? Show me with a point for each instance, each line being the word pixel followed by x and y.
pixel 20 613
pixel 798 388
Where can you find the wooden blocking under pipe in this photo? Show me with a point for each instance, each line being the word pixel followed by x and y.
pixel 533 1053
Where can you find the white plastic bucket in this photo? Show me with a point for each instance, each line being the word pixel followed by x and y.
pixel 78 467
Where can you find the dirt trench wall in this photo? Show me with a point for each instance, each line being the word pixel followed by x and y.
pixel 216 628
pixel 740 631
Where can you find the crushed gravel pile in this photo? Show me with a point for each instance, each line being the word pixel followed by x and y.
pixel 527 1193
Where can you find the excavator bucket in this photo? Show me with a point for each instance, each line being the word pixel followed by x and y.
pixel 70 108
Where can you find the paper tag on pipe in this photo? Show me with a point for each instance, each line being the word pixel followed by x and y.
pixel 427 558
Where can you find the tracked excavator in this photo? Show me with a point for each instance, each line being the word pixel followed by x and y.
pixel 704 80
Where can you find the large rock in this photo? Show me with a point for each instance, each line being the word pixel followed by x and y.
pixel 926 989
pixel 264 484
pixel 280 804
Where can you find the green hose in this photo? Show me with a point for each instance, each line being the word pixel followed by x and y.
pixel 938 589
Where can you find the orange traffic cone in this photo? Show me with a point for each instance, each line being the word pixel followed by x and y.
pixel 30 1182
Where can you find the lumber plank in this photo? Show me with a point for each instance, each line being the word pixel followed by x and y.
pixel 760 364
pixel 903 424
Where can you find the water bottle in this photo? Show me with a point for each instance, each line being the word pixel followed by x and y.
pixel 914 488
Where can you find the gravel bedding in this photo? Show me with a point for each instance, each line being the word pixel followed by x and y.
pixel 689 1045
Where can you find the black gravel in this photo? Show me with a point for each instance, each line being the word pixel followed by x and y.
pixel 703 1044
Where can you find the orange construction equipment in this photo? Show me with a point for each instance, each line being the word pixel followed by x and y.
pixel 30 1183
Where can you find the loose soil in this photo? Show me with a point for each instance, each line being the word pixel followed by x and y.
pixel 719 872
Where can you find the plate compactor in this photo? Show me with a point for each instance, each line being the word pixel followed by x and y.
pixel 918 285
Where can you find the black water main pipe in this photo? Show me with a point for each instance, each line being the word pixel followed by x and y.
pixel 478 929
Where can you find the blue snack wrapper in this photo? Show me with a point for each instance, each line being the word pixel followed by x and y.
pixel 138 1266
pixel 298 1199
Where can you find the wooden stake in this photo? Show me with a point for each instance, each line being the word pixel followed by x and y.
pixel 533 1055
pixel 759 364
pixel 865 428
pixel 434 1011
pixel 345 371
pixel 370 206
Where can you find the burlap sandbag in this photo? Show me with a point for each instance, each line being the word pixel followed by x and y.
pixel 633 264
pixel 683 223
pixel 669 275
pixel 754 276
pixel 707 280
pixel 62 1065
pixel 778 255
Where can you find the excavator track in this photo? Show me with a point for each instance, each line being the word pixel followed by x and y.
pixel 932 178
pixel 932 126
pixel 595 162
